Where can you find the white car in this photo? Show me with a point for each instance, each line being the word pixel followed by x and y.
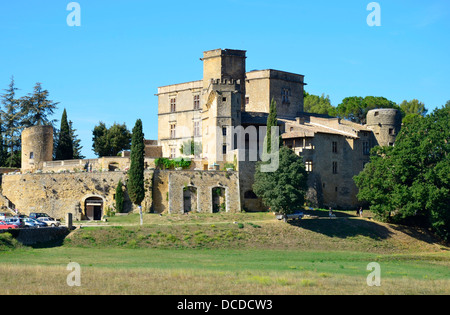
pixel 49 221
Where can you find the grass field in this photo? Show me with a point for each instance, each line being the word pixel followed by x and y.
pixel 232 254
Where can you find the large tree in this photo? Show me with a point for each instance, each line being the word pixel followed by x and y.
pixel 38 107
pixel 283 190
pixel 135 185
pixel 110 141
pixel 411 181
pixel 64 147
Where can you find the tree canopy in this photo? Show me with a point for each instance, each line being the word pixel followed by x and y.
pixel 110 141
pixel 355 108
pixel 411 181
pixel 283 190
pixel 318 104
pixel 37 107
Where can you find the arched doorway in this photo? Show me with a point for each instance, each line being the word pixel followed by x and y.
pixel 218 199
pixel 189 199
pixel 93 208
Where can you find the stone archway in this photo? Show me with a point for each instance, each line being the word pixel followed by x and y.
pixel 93 208
pixel 190 199
pixel 218 199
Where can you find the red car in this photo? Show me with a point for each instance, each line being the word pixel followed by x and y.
pixel 6 226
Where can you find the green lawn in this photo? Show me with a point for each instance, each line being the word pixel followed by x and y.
pixel 232 254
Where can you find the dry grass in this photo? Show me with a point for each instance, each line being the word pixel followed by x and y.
pixel 212 254
pixel 46 280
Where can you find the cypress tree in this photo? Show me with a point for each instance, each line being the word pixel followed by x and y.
pixel 271 122
pixel 136 173
pixel 119 197
pixel 64 149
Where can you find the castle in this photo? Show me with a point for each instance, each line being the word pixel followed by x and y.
pixel 224 117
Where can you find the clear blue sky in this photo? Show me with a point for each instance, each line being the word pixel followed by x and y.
pixel 109 68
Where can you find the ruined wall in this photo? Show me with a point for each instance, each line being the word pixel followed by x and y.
pixel 169 189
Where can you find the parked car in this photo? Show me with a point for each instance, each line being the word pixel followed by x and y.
pixel 49 221
pixel 7 226
pixel 2 216
pixel 15 221
pixel 34 223
pixel 35 215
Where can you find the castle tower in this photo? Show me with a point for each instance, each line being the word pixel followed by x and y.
pixel 225 65
pixel 385 123
pixel 37 147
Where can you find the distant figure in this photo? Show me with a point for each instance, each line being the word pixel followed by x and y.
pixel 361 212
pixel 330 213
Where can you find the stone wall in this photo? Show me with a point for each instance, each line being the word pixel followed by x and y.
pixel 192 191
pixel 31 237
pixel 58 194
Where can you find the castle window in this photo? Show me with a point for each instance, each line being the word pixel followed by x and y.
pixel 173 153
pixel 366 148
pixel 173 133
pixel 31 155
pixel 224 131
pixel 285 96
pixel 247 100
pixel 173 105
pixel 309 166
pixel 334 147
pixel 196 102
pixel 197 129
pixel 224 149
pixel 391 131
pixel 376 114
pixel 224 99
pixel 335 168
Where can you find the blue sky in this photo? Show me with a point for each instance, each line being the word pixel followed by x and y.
pixel 109 68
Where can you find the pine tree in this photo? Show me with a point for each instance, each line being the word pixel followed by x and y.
pixel 11 116
pixel 64 149
pixel 135 184
pixel 37 107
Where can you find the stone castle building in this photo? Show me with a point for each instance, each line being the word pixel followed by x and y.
pixel 203 111
pixel 224 115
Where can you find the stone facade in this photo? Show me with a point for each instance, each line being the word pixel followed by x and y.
pixel 333 150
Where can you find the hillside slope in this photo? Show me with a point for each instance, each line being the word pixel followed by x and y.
pixel 256 231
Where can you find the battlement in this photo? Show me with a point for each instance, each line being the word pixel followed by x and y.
pixel 225 82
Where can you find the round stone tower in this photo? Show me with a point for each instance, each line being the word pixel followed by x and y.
pixel 37 147
pixel 385 123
